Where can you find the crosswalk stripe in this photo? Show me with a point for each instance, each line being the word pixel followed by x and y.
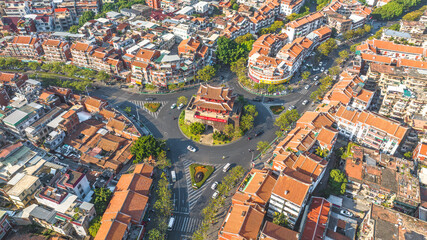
pixel 184 224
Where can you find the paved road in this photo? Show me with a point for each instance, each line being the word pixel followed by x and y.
pixel 188 203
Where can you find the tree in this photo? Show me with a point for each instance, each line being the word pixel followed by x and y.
pixel 74 29
pixel 197 128
pixel 321 152
pixel 251 110
pixel 389 11
pixel 235 6
pixel 102 76
pixel 286 119
pixel 305 75
pixel 100 199
pixel 262 146
pixel 280 219
pixel 229 130
pixel 33 65
pixel 206 73
pixel 408 155
pixel 335 70
pixel 155 234
pixel 128 110
pixel 337 182
pixel 367 28
pixel 326 47
pixel 146 146
pixel 228 51
pixel 94 226
pixel 162 161
pixel 182 100
pixel 86 16
pixel 244 38
pixel 344 54
pixel 247 122
pixel 239 67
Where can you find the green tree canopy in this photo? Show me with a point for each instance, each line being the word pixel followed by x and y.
pixel 206 73
pixel 335 70
pixel 251 110
pixel 326 47
pixel 229 51
pixel 74 29
pixel 262 146
pixel 94 226
pixel 286 119
pixel 182 99
pixel 146 146
pixel 86 16
pixel 337 181
pixel 305 75
pixel 280 219
pixel 197 128
pixel 100 199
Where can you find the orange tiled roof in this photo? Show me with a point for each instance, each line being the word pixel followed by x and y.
pixel 144 169
pixel 136 182
pixel 129 203
pixel 243 222
pixel 315 120
pixel 291 189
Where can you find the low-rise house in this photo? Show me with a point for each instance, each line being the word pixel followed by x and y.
pixel 272 231
pixel 5 225
pixel 420 153
pixel 74 182
pixel 315 221
pixel 23 117
pixel 22 192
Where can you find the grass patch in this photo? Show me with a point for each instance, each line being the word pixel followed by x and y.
pixel 152 107
pixel 206 169
pixel 277 109
pixel 185 128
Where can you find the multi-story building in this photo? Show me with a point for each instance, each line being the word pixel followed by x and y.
pixel 39 130
pixel 80 53
pixel 287 7
pixel 420 153
pixel 154 4
pixel 258 21
pixel 23 117
pixel 63 19
pixel 102 59
pixel 370 129
pixel 25 47
pixel 289 196
pixel 303 26
pixel 23 191
pixel 74 182
pixel 56 50
pixel 389 53
pixel 16 8
pixel 5 225
pixel 378 177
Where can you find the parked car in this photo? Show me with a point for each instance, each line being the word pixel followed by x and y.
pixel 305 102
pixel 173 106
pixel 191 148
pixel 316 83
pixel 320 63
pixel 346 213
pixel 291 107
pixel 215 194
pixel 214 185
pixel 180 106
pixel 316 77
pixel 322 69
pixel 257 99
pixel 259 133
pixel 150 99
pixel 123 86
pixel 307 87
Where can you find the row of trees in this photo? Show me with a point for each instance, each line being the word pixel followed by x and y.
pixel 277 25
pixel 325 84
pixel 147 146
pixel 100 200
pixel 359 32
pixel 163 207
pixel 286 119
pixel 327 47
pixel 394 9
pixel 210 212
pixel 415 15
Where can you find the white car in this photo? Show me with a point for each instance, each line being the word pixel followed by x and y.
pixel 215 194
pixel 316 77
pixel 307 87
pixel 292 107
pixel 323 69
pixel 173 106
pixel 320 63
pixel 180 106
pixel 346 213
pixel 316 83
pixel 191 148
pixel 214 185
pixel 305 102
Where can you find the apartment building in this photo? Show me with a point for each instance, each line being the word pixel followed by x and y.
pixel 154 4
pixel 23 190
pixel 80 53
pixel 237 26
pixel 303 26
pixel 389 53
pixel 23 117
pixel 259 21
pixel 264 67
pixel 105 59
pixel 39 130
pixel 370 129
pixel 350 91
pixel 74 182
pixel 56 50
pixel 289 196
pixel 63 19
pixel 25 47
pixel 82 6
pixel 287 7
pixel 16 8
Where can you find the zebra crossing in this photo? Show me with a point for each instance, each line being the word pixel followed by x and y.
pixel 194 194
pixel 304 91
pixel 153 114
pixel 186 224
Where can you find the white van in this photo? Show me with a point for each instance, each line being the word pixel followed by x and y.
pixel 173 175
pixel 171 222
pixel 226 167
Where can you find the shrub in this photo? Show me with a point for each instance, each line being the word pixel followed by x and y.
pixel 152 107
pixel 206 169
